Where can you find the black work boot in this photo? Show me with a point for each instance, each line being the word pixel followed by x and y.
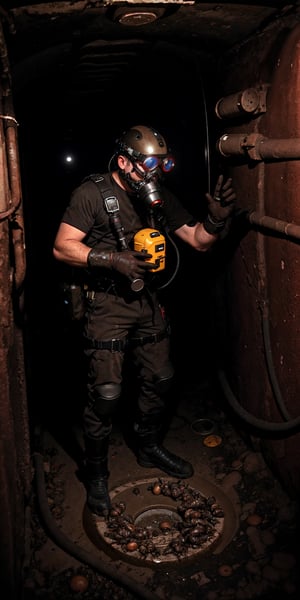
pixel 152 454
pixel 96 476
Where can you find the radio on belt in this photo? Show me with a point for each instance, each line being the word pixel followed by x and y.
pixel 151 241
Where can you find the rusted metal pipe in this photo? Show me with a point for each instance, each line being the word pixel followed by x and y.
pixel 289 229
pixel 4 188
pixel 258 147
pixel 10 199
pixel 251 101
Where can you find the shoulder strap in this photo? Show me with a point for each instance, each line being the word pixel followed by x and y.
pixel 110 201
pixel 111 205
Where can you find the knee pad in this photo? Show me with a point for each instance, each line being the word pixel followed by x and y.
pixel 164 379
pixel 106 398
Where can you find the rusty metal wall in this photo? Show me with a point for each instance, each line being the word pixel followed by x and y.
pixel 15 471
pixel 265 284
pixel 262 292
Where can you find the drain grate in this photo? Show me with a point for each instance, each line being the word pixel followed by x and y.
pixel 161 521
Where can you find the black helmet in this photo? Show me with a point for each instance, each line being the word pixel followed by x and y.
pixel 140 141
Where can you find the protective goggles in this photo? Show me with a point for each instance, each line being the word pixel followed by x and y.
pixel 149 163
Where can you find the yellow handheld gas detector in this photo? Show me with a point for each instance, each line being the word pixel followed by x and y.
pixel 153 242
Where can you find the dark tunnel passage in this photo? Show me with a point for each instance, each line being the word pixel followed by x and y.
pixel 178 101
pixel 225 308
pixel 194 299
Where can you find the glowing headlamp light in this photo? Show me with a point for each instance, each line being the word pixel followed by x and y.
pixel 150 163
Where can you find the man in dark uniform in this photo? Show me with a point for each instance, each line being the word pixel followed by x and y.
pixel 97 233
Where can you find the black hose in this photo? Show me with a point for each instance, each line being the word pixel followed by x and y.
pixel 162 287
pixel 289 426
pixel 73 549
pixel 271 370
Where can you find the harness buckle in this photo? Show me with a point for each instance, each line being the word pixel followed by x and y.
pixel 112 204
pixel 90 294
pixel 117 345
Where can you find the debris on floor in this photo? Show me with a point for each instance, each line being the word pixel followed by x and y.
pixel 257 558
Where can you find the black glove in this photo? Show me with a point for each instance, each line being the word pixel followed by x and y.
pixel 220 206
pixel 129 262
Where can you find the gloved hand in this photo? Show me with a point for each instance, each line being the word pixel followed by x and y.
pixel 129 262
pixel 220 206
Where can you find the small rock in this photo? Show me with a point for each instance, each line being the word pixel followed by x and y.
pixel 257 547
pixel 231 480
pixel 253 567
pixel 270 574
pixel 252 463
pixel 267 537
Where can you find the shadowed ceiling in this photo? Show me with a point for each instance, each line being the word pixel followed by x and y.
pixel 88 47
pixel 89 65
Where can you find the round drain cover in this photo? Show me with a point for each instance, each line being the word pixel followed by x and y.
pixel 160 523
pixel 179 523
pixel 157 518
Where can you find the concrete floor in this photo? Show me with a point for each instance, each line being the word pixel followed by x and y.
pixel 255 556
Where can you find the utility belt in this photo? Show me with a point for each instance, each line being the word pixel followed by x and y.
pixel 116 345
pixel 106 285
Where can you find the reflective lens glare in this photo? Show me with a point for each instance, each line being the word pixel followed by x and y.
pixel 168 164
pixel 152 162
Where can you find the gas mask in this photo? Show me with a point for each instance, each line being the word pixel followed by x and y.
pixel 149 191
pixel 147 150
pixel 149 188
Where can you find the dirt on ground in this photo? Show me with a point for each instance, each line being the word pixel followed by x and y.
pixel 258 557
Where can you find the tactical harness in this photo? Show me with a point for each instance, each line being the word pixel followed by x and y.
pixel 111 205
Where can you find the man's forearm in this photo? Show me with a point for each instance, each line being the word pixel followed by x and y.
pixel 74 253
